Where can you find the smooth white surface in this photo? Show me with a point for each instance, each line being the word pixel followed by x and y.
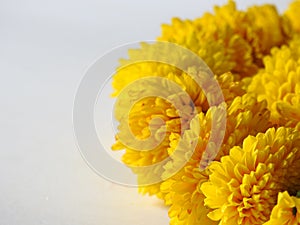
pixel 45 47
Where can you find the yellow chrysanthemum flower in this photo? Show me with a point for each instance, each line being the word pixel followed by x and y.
pixel 292 14
pixel 243 187
pixel 279 83
pixel 230 40
pixel 266 30
pixel 215 47
pixel 286 211
pixel 182 191
pixel 151 108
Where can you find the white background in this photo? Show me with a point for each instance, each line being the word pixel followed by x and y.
pixel 45 48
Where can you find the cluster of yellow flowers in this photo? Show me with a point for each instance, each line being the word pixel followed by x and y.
pixel 255 178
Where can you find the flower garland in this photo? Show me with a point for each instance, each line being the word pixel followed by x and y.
pixel 255 178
